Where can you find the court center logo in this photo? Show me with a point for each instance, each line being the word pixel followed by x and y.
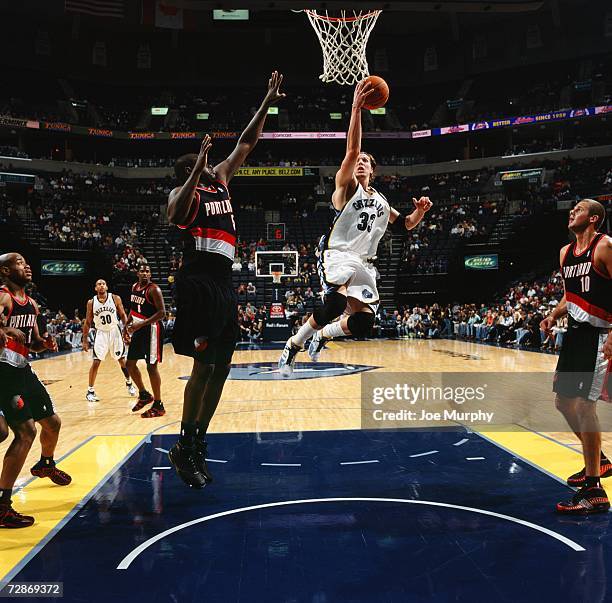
pixel 268 371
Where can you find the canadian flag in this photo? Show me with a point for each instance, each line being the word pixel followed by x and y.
pixel 167 14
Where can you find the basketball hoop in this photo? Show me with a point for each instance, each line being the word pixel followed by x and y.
pixel 276 277
pixel 343 40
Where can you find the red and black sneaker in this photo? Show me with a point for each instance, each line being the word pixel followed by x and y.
pixel 586 502
pixel 57 476
pixel 578 479
pixel 9 518
pixel 154 411
pixel 144 398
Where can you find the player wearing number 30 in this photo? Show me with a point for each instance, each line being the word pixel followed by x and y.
pixel 104 311
pixel 346 252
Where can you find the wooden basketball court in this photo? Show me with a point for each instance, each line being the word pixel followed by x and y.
pixel 328 403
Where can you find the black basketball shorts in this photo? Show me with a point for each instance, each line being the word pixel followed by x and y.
pixel 22 395
pixel 206 309
pixel 147 344
pixel 582 371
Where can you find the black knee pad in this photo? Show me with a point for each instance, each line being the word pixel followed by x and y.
pixel 360 324
pixel 334 306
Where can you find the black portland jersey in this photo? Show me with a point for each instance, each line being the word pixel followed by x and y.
pixel 141 305
pixel 587 290
pixel 209 234
pixel 21 316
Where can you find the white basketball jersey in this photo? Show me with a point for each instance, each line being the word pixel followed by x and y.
pixel 105 314
pixel 360 225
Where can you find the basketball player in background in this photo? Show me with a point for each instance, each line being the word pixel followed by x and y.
pixel 345 253
pixel 582 375
pixel 144 332
pixel 104 311
pixel 206 326
pixel 24 400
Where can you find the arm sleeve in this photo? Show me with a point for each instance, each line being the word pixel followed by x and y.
pixel 399 226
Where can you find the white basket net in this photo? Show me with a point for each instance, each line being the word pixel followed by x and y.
pixel 343 40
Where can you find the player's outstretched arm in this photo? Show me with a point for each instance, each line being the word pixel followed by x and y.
pixel 182 199
pixel 399 223
pixel 345 177
pixel 248 139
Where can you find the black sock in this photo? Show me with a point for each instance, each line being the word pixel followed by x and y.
pixel 200 432
pixel 47 461
pixel 143 393
pixel 188 433
pixel 592 482
pixel 158 404
pixel 603 458
pixel 126 373
pixel 5 496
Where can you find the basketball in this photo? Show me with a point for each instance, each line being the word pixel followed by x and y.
pixel 380 94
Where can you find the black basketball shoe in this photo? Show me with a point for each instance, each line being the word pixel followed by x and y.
pixel 578 479
pixel 200 458
pixel 185 462
pixel 586 501
pixel 9 518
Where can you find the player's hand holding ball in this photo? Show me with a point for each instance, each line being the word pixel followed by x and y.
pixel 362 91
pixel 423 204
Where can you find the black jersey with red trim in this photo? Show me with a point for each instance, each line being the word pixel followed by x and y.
pixel 587 290
pixel 22 316
pixel 141 302
pixel 209 234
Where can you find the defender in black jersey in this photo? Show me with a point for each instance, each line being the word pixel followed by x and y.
pixel 206 319
pixel 144 332
pixel 23 398
pixel 583 368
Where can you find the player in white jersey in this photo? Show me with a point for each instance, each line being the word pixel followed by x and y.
pixel 346 252
pixel 104 311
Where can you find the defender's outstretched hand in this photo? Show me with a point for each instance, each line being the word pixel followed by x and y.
pixel 202 160
pixel 273 95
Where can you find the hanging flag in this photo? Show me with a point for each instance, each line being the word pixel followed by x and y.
pixel 167 14
pixel 96 8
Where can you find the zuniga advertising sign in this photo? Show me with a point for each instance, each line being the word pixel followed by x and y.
pixel 63 267
pixel 487 261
